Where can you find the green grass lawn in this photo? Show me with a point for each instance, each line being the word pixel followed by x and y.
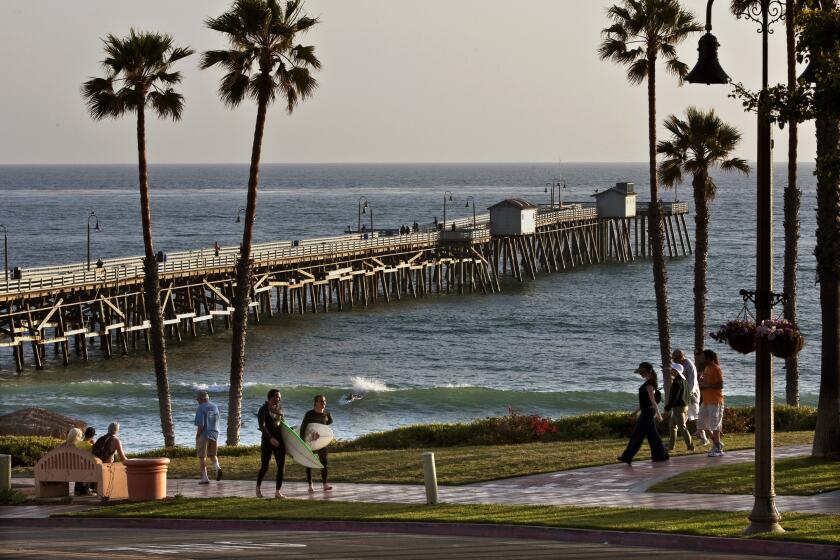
pixel 798 476
pixel 799 526
pixel 460 465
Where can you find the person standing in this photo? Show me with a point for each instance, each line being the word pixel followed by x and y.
pixel 269 418
pixel 677 398
pixel 207 436
pixel 711 409
pixel 318 415
pixel 690 373
pixel 646 425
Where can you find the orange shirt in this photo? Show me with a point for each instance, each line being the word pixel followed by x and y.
pixel 712 375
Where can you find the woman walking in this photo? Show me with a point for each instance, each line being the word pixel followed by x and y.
pixel 646 426
pixel 269 418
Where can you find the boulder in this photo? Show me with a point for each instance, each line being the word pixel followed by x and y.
pixel 38 422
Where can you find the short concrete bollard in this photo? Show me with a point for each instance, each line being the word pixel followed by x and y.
pixel 5 473
pixel 430 476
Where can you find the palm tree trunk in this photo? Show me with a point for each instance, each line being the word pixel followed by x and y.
pixel 701 256
pixel 827 434
pixel 151 285
pixel 792 203
pixel 243 283
pixel 660 274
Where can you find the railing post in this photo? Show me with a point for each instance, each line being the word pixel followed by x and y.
pixel 430 478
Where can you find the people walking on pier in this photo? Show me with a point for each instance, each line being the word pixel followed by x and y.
pixel 269 418
pixel 646 426
pixel 207 436
pixel 677 404
pixel 711 409
pixel 318 415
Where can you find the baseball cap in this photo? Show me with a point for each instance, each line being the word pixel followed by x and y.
pixel 643 367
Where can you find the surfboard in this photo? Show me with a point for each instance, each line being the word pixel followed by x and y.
pixel 324 433
pixel 298 450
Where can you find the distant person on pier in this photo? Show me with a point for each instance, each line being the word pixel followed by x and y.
pixel 318 415
pixel 676 405
pixel 207 436
pixel 216 248
pixel 692 409
pixel 415 227
pixel 99 263
pixel 269 418
pixel 712 406
pixel 648 415
pixel 109 444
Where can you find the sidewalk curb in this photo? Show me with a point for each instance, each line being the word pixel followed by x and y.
pixel 804 551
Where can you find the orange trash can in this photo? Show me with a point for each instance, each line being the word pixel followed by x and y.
pixel 146 478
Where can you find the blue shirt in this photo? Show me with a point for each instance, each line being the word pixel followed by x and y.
pixel 207 416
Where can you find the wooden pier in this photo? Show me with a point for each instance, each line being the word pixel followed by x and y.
pixel 69 309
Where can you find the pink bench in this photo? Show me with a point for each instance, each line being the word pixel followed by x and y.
pixel 65 464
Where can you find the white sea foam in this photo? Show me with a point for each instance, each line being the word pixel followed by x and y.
pixel 363 385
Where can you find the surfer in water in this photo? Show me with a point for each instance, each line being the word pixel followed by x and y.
pixel 269 418
pixel 318 415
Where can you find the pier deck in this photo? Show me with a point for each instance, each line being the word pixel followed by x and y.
pixel 65 306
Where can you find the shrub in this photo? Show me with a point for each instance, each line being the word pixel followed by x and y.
pixel 11 497
pixel 180 452
pixel 26 450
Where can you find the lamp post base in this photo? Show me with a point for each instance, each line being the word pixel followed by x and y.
pixel 764 517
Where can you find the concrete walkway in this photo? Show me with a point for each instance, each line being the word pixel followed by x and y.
pixel 617 485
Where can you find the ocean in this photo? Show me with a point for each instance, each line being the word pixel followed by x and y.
pixel 564 344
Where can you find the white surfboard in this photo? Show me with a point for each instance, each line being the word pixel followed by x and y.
pixel 298 450
pixel 318 436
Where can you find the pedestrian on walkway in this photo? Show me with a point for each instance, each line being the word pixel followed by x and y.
pixel 648 415
pixel 318 415
pixel 712 406
pixel 693 388
pixel 269 418
pixel 677 397
pixel 207 436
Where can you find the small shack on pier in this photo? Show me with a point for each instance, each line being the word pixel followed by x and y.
pixel 513 216
pixel 617 202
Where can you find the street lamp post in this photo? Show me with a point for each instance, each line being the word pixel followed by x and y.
pixel 5 252
pixel 764 516
pixel 239 215
pixel 470 199
pixel 363 210
pixel 444 206
pixel 558 185
pixel 96 228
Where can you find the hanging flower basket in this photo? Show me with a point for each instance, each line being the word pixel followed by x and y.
pixel 783 338
pixel 739 334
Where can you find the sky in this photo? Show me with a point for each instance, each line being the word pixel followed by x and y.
pixel 402 81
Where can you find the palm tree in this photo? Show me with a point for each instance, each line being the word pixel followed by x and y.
pixel 820 35
pixel 263 62
pixel 138 74
pixel 698 144
pixel 642 31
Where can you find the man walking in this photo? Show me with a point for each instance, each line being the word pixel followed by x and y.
pixel 677 397
pixel 692 410
pixel 711 411
pixel 206 436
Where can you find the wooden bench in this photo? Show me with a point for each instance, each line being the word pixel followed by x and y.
pixel 65 464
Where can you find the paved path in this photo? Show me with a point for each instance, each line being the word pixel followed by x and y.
pixel 617 485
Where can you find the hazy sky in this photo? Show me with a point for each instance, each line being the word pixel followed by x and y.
pixel 402 81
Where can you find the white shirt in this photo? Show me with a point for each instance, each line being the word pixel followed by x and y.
pixel 690 371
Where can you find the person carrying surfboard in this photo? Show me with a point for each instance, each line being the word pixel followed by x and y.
pixel 269 419
pixel 318 415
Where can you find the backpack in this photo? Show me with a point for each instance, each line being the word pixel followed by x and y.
pixel 100 447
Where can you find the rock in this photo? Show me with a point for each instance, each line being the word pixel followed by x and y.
pixel 38 422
